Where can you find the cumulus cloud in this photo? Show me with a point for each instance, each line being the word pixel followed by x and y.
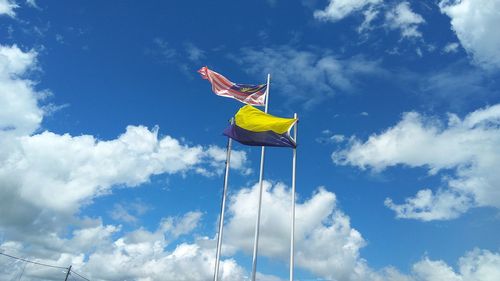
pixel 480 265
pixel 475 22
pixel 397 17
pixel 94 166
pixel 427 206
pixel 403 18
pixel 326 243
pixel 19 111
pixel 35 166
pixel 318 70
pixel 468 147
pixel 7 7
pixel 239 161
pixel 339 9
pixel 100 254
pixel 46 178
pixel 79 169
pixel 182 225
pixel 327 246
pixel 145 260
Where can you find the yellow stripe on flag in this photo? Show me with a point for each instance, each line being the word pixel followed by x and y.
pixel 252 119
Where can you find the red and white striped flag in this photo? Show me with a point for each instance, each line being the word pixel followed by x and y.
pixel 249 94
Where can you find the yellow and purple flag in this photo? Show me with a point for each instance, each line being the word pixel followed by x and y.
pixel 249 94
pixel 256 128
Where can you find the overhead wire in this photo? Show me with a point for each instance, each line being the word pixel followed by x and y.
pixel 44 264
pixel 33 262
pixel 72 271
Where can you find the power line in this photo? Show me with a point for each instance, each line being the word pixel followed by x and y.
pixel 79 275
pixel 47 265
pixel 33 262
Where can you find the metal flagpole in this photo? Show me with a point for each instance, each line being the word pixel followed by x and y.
pixel 261 183
pixel 292 231
pixel 223 207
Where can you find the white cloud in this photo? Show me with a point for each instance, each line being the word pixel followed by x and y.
pixel 480 265
pixel 477 265
pixel 328 137
pixel 318 70
pixel 427 206
pixel 337 138
pixel 434 270
pixel 370 14
pixel 99 253
pixel 7 7
pixel 339 9
pixel 32 3
pixel 46 178
pixel 182 225
pixel 19 111
pixel 326 244
pixel 129 260
pixel 403 18
pixel 451 47
pixel 238 161
pixel 397 17
pixel 468 147
pixel 80 168
pixel 475 24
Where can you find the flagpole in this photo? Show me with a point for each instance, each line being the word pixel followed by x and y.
pixel 223 207
pixel 292 231
pixel 261 183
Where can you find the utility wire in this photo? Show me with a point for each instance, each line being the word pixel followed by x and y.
pixel 43 264
pixel 33 262
pixel 72 271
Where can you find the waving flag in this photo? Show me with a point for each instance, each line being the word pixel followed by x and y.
pixel 256 128
pixel 249 94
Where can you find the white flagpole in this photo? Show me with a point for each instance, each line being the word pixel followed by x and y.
pixel 223 207
pixel 261 175
pixel 292 231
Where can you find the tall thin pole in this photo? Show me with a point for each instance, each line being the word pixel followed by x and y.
pixel 222 208
pixel 267 92
pixel 292 231
pixel 261 183
pixel 67 273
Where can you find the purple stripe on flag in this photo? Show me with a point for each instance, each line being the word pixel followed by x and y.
pixel 267 138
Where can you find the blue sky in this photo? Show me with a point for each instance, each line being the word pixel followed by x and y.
pixel 112 153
